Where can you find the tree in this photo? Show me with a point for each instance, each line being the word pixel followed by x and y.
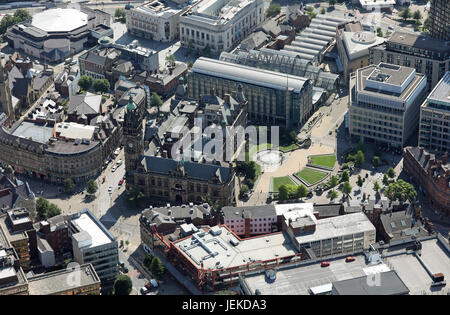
pixel 69 185
pixel 390 172
pixel 360 181
pixel 215 205
pixel 123 285
pixel 346 188
pixel 379 32
pixel 101 85
pixel 148 261
pixel 85 82
pixel 170 60
pixel 155 100
pixel 426 23
pixel 120 14
pixel 273 10
pixel 21 15
pixel 91 187
pixel 301 191
pixel 405 14
pixel 283 193
pixel 385 180
pixel 135 195
pixel 293 136
pixel 248 169
pixel 156 268
pixel 322 11
pixel 359 158
pixel 376 186
pixel 333 181
pixel 401 190
pixel 42 205
pixel 333 194
pixel 345 177
pixel 53 210
pixel 417 15
pixel 244 191
pixel 45 209
pixel 376 161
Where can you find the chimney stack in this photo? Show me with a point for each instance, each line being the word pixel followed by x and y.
pixel 421 150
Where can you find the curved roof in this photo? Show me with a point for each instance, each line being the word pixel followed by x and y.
pixel 240 73
pixel 59 20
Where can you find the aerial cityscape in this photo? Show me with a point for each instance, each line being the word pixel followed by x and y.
pixel 224 147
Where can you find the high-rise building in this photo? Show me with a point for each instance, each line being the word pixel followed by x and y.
pixel 434 132
pixel 384 103
pixel 440 19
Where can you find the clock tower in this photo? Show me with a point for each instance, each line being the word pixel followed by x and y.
pixel 132 139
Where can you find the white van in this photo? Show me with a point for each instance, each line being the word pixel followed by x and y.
pixel 119 162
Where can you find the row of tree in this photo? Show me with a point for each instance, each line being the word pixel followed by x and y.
pixel 46 209
pixel 9 20
pixel 99 85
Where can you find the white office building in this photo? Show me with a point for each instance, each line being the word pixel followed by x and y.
pixel 92 243
pixel 385 102
pixel 220 24
pixel 155 20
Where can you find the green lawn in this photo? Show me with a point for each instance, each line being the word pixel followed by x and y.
pixel 279 181
pixel 311 176
pixel 288 147
pixel 323 160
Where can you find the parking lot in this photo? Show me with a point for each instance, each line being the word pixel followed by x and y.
pixel 298 280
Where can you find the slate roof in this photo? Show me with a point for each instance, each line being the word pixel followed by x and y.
pixel 398 225
pixel 96 59
pixel 87 104
pixel 155 164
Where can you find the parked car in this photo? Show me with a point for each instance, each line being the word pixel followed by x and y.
pixel 119 162
pixel 114 168
pixel 144 290
pixel 152 284
pixel 350 259
pixel 325 264
pixel 110 189
pixel 120 182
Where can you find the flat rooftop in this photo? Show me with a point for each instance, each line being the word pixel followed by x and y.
pixel 298 280
pixel 250 75
pixel 390 284
pixel 441 92
pixel 98 236
pixel 419 41
pixel 199 248
pixel 59 281
pixel 388 78
pixel 35 131
pixel 411 271
pixel 336 227
pixel 59 20
pixel 74 131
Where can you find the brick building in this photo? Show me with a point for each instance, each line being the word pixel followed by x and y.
pixel 431 173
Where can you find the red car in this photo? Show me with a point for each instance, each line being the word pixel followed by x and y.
pixel 350 259
pixel 324 264
pixel 120 182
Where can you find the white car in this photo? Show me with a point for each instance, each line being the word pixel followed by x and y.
pixel 119 162
pixel 144 290
pixel 110 189
pixel 114 168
